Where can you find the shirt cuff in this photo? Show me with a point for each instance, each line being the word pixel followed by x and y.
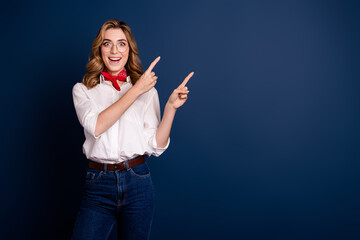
pixel 157 150
pixel 91 124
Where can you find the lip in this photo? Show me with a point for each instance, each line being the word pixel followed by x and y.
pixel 114 61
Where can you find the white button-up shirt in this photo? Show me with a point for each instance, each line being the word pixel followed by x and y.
pixel 132 135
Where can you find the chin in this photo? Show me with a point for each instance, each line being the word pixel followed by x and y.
pixel 113 69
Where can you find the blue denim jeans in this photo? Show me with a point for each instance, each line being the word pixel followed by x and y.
pixel 123 198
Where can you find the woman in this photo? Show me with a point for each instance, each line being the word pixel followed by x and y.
pixel 118 107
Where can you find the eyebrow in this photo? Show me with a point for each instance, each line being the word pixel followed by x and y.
pixel 117 40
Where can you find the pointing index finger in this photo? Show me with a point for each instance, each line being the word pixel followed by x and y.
pixel 152 65
pixel 183 84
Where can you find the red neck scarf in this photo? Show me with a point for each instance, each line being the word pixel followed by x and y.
pixel 121 77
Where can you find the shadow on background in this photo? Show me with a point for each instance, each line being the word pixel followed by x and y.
pixel 52 164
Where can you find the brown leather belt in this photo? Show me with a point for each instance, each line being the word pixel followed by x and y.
pixel 118 166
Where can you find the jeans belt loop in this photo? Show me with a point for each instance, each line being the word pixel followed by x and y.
pixel 127 165
pixel 105 167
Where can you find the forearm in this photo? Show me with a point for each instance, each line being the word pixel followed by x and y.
pixel 110 115
pixel 163 131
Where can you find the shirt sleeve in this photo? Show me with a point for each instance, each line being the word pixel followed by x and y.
pixel 151 123
pixel 86 110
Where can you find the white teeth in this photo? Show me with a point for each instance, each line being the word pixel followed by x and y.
pixel 114 59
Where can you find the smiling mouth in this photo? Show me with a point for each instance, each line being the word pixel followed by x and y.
pixel 114 60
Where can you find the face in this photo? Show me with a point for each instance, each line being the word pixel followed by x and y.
pixel 114 50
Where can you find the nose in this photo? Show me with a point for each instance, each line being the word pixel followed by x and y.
pixel 113 49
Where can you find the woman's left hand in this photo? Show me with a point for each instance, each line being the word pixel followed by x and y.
pixel 179 95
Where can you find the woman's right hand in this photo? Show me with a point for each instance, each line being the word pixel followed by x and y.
pixel 148 79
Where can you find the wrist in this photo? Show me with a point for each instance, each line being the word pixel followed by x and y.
pixel 170 107
pixel 136 91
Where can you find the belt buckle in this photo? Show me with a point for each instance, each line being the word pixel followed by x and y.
pixel 119 166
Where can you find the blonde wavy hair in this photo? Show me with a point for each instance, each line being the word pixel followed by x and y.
pixel 96 65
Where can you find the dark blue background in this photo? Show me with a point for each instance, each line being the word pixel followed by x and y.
pixel 266 147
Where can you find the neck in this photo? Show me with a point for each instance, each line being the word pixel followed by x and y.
pixel 114 73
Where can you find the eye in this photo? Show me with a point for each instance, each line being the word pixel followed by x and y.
pixel 122 44
pixel 106 44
